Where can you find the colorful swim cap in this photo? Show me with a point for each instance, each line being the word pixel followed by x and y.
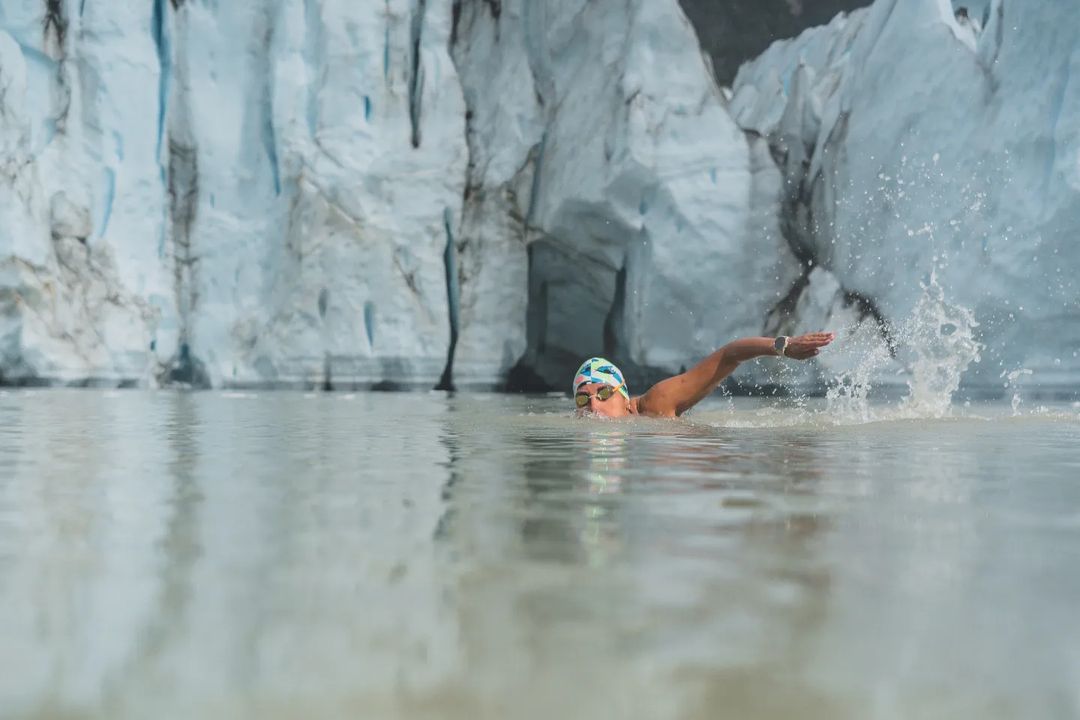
pixel 599 370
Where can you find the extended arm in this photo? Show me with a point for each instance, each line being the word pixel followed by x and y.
pixel 678 394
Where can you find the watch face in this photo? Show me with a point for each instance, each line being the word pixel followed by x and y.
pixel 779 344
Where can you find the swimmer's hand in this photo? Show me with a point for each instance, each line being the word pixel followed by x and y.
pixel 804 347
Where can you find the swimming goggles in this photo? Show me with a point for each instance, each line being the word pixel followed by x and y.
pixel 581 398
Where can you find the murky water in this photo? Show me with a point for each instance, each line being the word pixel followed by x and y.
pixel 222 555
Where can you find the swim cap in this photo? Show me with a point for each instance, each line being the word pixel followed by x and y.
pixel 599 370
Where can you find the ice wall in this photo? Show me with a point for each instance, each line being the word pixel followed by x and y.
pixel 414 193
pixel 233 193
pixel 616 190
pixel 919 139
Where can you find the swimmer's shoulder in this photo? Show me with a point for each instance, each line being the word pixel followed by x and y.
pixel 639 405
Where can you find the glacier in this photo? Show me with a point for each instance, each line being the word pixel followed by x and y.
pixel 478 193
pixel 921 139
pixel 228 195
pixel 627 194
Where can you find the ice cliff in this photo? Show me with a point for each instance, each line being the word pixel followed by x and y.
pixel 234 193
pixel 422 192
pixel 927 144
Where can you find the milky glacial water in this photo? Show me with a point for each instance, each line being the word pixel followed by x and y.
pixel 227 555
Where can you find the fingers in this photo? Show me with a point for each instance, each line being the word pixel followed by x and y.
pixel 809 345
pixel 818 339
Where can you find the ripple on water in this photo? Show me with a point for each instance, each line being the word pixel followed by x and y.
pixel 412 555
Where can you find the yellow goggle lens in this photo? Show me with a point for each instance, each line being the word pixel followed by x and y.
pixel 604 393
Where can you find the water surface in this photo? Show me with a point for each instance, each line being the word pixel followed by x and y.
pixel 221 555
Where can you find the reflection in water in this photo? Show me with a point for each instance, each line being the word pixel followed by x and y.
pixel 567 516
pixel 288 555
pixel 601 538
pixel 178 552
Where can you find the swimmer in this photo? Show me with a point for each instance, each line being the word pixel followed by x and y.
pixel 600 389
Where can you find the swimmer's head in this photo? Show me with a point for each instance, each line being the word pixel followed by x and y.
pixel 599 387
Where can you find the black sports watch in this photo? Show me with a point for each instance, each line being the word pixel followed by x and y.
pixel 780 345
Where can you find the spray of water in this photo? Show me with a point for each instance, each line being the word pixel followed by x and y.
pixel 939 337
pixel 1012 382
pixel 934 345
pixel 848 395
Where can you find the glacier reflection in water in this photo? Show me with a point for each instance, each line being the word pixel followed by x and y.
pixel 222 555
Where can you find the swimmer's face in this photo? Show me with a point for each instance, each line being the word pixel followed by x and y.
pixel 615 406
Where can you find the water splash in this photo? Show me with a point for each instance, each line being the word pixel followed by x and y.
pixel 848 397
pixel 1012 383
pixel 939 339
pixel 934 346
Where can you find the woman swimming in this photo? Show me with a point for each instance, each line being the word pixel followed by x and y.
pixel 599 386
